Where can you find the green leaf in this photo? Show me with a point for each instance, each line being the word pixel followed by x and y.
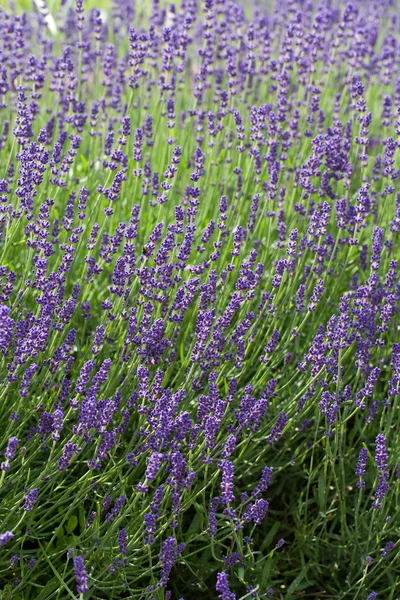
pixel 82 517
pixel 266 573
pixel 296 583
pixel 85 162
pixel 321 490
pixel 268 538
pixel 71 523
pixel 195 524
pixel 60 535
pixel 199 508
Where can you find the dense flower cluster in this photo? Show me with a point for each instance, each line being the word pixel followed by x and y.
pixel 199 299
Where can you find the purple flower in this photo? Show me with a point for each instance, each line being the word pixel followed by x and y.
pixel 279 271
pixel 377 243
pixel 91 519
pixel 116 509
pixel 256 511
pixel 212 524
pixel 278 428
pixel 14 560
pixel 84 376
pixel 232 560
pixel 329 407
pixel 30 499
pixel 316 295
pixel 381 457
pixel 153 466
pixel 230 447
pixel 227 494
pixel 170 552
pixel 10 453
pixel 388 548
pixel 31 563
pixel 5 538
pixel 6 329
pixel 273 342
pixel 80 575
pixel 265 480
pixel 222 586
pixel 68 451
pixel 361 466
pixel 381 491
pixel 300 298
pixel 123 541
pixel 150 527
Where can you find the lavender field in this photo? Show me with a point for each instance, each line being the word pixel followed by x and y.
pixel 199 300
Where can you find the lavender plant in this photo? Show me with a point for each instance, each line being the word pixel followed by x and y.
pixel 199 300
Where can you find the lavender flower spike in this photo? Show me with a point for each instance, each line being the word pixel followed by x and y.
pixel 223 587
pixel 80 575
pixel 30 499
pixel 5 538
pixel 10 453
pixel 361 466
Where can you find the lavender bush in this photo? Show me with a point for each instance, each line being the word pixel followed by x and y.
pixel 199 301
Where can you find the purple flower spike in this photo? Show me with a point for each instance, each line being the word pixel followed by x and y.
pixel 30 499
pixel 227 482
pixel 80 575
pixel 381 457
pixel 388 548
pixel 361 467
pixel 222 586
pixel 123 541
pixel 170 552
pixel 5 538
pixel 10 453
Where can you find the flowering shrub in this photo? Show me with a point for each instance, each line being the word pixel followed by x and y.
pixel 199 301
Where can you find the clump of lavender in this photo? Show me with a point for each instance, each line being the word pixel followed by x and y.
pixel 199 298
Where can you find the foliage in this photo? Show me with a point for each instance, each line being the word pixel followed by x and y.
pixel 200 358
